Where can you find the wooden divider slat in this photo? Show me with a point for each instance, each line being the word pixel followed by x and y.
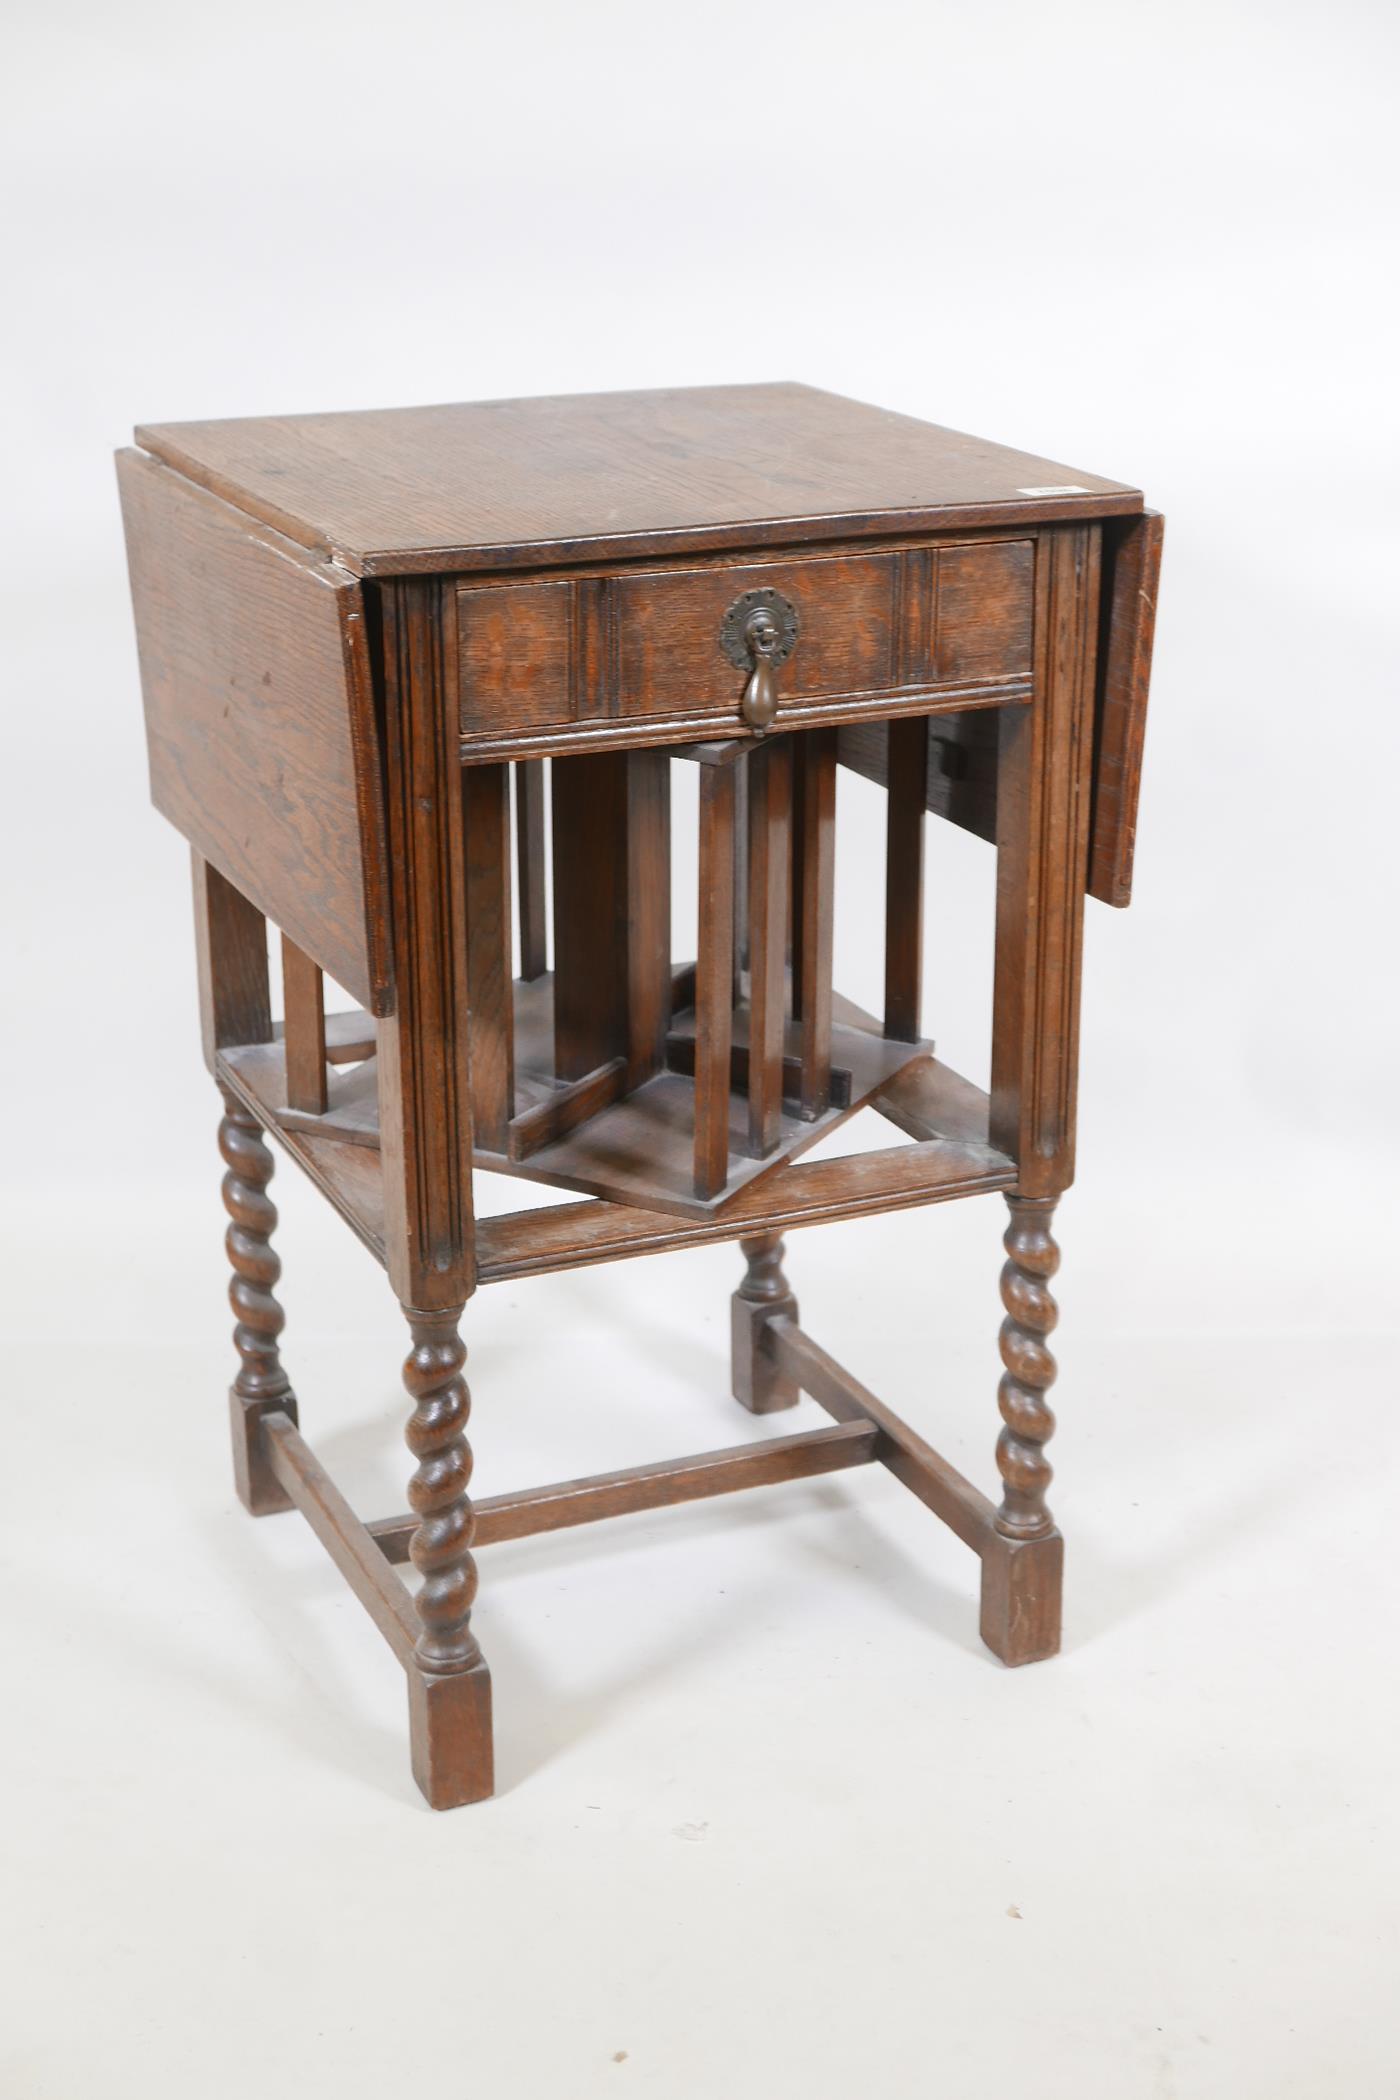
pixel 714 979
pixel 907 777
pixel 589 816
pixel 304 1030
pixel 648 913
pixel 486 853
pixel 529 848
pixel 813 914
pixel 769 815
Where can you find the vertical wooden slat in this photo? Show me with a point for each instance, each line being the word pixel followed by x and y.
pixel 906 778
pixel 769 769
pixel 486 854
pixel 1043 791
pixel 304 1030
pixel 648 912
pixel 714 980
pixel 795 865
pixel 231 947
pixel 814 913
pixel 612 911
pixel 529 843
pixel 741 877
pixel 590 795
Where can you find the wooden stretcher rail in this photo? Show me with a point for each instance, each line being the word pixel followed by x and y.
pixel 340 1531
pixel 941 1487
pixel 658 1486
pixel 810 1192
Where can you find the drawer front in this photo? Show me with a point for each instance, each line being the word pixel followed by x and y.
pixel 669 658
pixel 549 654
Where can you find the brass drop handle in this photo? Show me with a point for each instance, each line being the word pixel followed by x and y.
pixel 760 702
pixel 758 633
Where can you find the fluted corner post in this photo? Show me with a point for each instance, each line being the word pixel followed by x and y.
pixel 764 1294
pixel 1022 1567
pixel 261 1385
pixel 449 1686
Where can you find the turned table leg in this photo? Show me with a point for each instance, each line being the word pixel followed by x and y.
pixel 1022 1567
pixel 764 1293
pixel 449 1686
pixel 261 1384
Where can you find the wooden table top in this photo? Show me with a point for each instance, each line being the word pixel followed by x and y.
pixel 505 484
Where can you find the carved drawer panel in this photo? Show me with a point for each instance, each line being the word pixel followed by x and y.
pixel 562 656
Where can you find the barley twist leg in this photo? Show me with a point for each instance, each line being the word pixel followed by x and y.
pixel 261 1384
pixel 449 1686
pixel 1023 1558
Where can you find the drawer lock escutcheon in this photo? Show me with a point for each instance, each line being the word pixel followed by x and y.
pixel 758 633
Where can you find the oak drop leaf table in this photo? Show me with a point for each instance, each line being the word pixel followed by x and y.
pixel 362 635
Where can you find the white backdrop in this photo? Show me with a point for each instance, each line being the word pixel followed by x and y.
pixel 1156 244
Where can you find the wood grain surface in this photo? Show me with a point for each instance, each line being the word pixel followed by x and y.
pixel 973 628
pixel 259 719
pixel 498 484
pixel 961 782
pixel 1128 621
pixel 601 649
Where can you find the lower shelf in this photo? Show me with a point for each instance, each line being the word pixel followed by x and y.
pixel 945 1114
pixel 638 1150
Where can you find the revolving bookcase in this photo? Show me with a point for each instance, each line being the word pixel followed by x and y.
pixel 362 636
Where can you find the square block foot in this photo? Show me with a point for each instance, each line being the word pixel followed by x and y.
pixel 449 1722
pixel 260 1492
pixel 1022 1581
pixel 757 1382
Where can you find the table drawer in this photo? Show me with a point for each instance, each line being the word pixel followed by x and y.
pixel 548 654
